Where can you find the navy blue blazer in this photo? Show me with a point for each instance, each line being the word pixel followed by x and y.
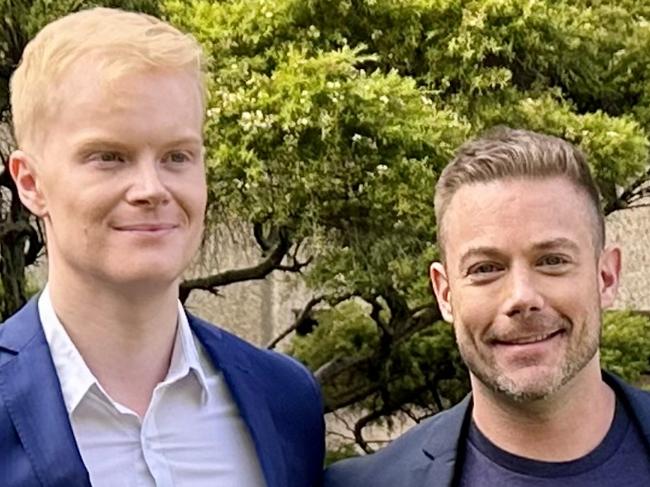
pixel 277 398
pixel 429 453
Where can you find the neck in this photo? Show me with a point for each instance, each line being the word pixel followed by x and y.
pixel 563 427
pixel 124 334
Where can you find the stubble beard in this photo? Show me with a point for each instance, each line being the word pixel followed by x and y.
pixel 579 352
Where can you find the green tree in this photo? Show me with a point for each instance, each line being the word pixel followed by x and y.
pixel 330 120
pixel 625 344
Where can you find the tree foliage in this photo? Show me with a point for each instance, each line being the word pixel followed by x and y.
pixel 329 122
pixel 331 119
pixel 625 344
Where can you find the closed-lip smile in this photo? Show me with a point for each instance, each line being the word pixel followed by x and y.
pixel 146 227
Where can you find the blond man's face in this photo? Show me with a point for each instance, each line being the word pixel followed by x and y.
pixel 119 179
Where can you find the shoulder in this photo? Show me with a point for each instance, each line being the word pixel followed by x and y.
pixel 638 400
pixel 628 393
pixel 404 461
pixel 259 379
pixel 280 375
pixel 21 329
pixel 279 364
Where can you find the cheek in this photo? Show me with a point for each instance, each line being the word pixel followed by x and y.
pixel 81 212
pixel 474 314
pixel 198 200
pixel 473 325
pixel 573 299
pixel 190 191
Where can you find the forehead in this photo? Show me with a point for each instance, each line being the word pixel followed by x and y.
pixel 100 81
pixel 144 106
pixel 517 214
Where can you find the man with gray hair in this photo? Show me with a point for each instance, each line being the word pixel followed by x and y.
pixel 105 379
pixel 523 278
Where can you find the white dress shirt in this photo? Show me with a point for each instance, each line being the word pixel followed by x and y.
pixel 191 435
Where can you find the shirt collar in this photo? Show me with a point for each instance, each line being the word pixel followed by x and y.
pixel 76 378
pixel 74 375
pixel 185 356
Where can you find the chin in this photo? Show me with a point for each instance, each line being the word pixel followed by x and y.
pixel 530 385
pixel 153 277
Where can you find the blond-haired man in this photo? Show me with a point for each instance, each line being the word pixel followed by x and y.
pixel 104 377
pixel 524 277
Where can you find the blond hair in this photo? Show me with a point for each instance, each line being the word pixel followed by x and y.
pixel 120 42
pixel 504 153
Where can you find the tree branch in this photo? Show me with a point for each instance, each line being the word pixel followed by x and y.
pixel 633 207
pixel 623 201
pixel 350 397
pixel 258 233
pixel 259 271
pixel 295 266
pixel 390 406
pixel 361 424
pixel 424 317
pixel 304 314
pixel 375 314
pixel 334 367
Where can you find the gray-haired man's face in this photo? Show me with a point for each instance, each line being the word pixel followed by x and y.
pixel 522 284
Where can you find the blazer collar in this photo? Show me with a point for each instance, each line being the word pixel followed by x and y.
pixel 443 447
pixel 232 357
pixel 637 402
pixel 38 413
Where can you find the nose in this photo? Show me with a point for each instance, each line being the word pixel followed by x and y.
pixel 522 297
pixel 147 188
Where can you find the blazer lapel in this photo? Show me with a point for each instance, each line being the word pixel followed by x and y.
pixel 247 389
pixel 442 452
pixel 637 402
pixel 29 387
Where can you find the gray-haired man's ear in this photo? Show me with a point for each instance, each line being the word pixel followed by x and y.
pixel 440 284
pixel 609 271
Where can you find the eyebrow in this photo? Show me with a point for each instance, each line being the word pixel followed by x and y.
pixel 493 252
pixel 557 243
pixel 184 141
pixel 101 142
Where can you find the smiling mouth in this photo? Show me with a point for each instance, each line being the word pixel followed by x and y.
pixel 529 340
pixel 146 227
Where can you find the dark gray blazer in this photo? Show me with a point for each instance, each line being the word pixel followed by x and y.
pixel 427 454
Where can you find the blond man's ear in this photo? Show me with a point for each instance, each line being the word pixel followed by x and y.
pixel 24 171
pixel 440 284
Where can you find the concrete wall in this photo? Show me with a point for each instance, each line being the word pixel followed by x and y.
pixel 256 310
pixel 631 230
